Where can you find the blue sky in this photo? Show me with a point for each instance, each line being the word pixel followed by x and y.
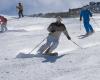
pixel 43 6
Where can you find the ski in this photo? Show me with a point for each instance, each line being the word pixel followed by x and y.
pixel 84 36
pixel 52 54
pixel 44 55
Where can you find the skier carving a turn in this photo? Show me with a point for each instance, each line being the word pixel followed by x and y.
pixel 55 29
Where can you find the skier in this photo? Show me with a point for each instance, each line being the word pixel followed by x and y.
pixel 55 29
pixel 86 14
pixel 3 23
pixel 20 10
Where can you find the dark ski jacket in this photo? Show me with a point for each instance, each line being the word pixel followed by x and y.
pixel 56 29
pixel 20 7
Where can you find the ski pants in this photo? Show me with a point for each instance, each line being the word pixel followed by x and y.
pixel 3 27
pixel 88 27
pixel 51 43
pixel 20 13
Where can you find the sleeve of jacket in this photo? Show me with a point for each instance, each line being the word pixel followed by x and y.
pixel 67 35
pixel 65 32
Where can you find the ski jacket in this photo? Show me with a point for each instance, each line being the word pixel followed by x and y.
pixel 56 29
pixel 3 20
pixel 20 7
pixel 86 14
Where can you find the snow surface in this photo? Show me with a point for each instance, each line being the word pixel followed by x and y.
pixel 73 63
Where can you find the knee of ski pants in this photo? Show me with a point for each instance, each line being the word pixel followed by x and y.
pixel 4 25
pixel 86 22
pixel 52 42
pixel 53 46
pixel 52 39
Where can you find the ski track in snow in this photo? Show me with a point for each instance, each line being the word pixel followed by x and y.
pixel 84 47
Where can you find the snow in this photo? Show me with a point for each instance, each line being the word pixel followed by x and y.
pixel 73 63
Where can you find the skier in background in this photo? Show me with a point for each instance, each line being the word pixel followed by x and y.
pixel 55 29
pixel 86 14
pixel 3 23
pixel 20 10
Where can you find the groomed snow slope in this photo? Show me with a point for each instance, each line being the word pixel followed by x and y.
pixel 72 63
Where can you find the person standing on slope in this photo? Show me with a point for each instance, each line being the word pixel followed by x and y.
pixel 55 29
pixel 20 10
pixel 86 14
pixel 3 23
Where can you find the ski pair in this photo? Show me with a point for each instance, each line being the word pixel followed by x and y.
pixel 84 36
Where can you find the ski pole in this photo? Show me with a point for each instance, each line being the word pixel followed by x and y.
pixel 77 44
pixel 37 46
pixel 95 22
pixel 80 26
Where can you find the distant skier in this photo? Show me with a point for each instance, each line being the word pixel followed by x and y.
pixel 20 10
pixel 3 23
pixel 55 29
pixel 86 14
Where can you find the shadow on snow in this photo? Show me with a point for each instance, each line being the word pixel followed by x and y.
pixel 47 58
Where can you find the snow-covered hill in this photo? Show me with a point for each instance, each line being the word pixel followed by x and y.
pixel 73 63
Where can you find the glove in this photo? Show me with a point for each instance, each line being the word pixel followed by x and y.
pixel 69 38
